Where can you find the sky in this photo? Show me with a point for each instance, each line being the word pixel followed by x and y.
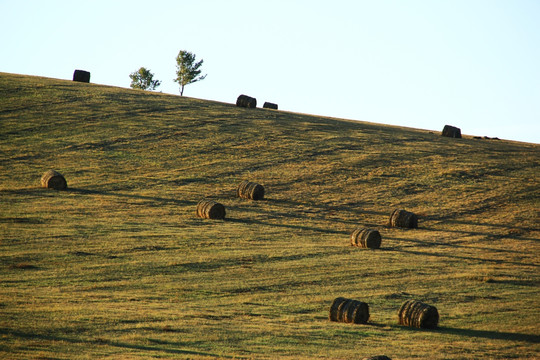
pixel 474 64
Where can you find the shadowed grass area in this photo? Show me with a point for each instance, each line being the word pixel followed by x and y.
pixel 119 265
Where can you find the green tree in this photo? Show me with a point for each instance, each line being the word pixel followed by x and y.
pixel 143 79
pixel 187 70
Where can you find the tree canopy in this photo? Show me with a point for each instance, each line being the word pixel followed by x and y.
pixel 143 79
pixel 187 70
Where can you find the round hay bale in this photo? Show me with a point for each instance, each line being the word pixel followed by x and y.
pixel 414 313
pixel 366 238
pixel 269 105
pixel 54 180
pixel 333 316
pixel 358 312
pixel 451 131
pixel 404 219
pixel 250 190
pixel 377 357
pixel 343 308
pixel 246 101
pixel 209 209
pixel 81 76
pixel 349 311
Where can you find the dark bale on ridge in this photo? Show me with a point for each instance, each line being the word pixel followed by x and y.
pixel 269 105
pixel 451 131
pixel 81 76
pixel 246 101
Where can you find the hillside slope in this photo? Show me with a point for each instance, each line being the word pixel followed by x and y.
pixel 119 266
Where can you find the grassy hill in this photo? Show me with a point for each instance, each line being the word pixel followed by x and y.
pixel 118 266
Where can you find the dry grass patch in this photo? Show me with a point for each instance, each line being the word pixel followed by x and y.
pixel 125 268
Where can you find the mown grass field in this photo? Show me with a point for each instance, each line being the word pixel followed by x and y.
pixel 118 266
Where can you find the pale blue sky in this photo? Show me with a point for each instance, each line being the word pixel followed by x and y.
pixel 474 64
